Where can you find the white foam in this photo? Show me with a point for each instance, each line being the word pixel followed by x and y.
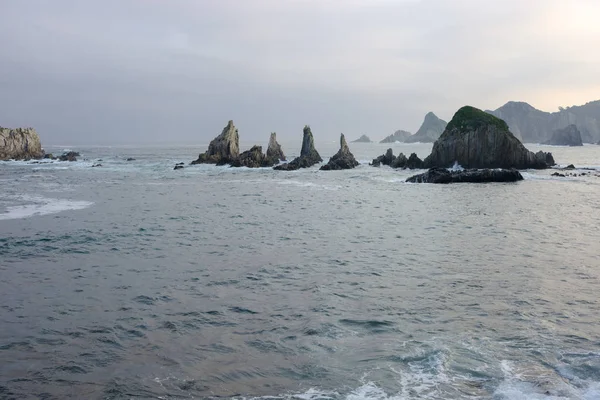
pixel 43 206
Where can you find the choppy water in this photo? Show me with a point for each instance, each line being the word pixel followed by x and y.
pixel 136 281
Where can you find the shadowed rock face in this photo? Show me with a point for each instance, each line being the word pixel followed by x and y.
pixel 386 159
pixel 398 136
pixel 343 159
pixel 20 144
pixel 430 130
pixel 569 136
pixel 442 175
pixel 476 139
pixel 362 139
pixel 274 151
pixel 308 155
pixel 224 149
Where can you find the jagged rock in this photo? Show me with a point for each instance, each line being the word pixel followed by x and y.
pixel 387 159
pixel 476 139
pixel 558 174
pixel 400 161
pixel 570 166
pixel 414 162
pixel 274 151
pixel 20 144
pixel 362 139
pixel 343 159
pixel 569 136
pixel 308 155
pixel 69 156
pixel 130 159
pixel 253 158
pixel 223 149
pixel 442 175
pixel 430 130
pixel 398 136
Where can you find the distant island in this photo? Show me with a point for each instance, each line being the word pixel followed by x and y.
pixel 398 136
pixel 531 125
pixel 362 139
pixel 430 130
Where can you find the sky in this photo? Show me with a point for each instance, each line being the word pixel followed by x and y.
pixel 175 71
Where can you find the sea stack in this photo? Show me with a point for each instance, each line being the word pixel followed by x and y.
pixel 362 139
pixel 224 149
pixel 343 159
pixel 430 130
pixel 476 139
pixel 309 156
pixel 20 144
pixel 569 136
pixel 274 151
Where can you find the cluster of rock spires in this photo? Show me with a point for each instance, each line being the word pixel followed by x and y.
pixel 225 149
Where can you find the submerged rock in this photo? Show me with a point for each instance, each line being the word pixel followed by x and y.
pixel 476 139
pixel 362 139
pixel 387 159
pixel 430 130
pixel 343 159
pixel 309 156
pixel 274 151
pixel 398 136
pixel 569 136
pixel 442 175
pixel 223 149
pixel 20 144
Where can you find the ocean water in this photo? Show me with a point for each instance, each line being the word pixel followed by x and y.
pixel 133 280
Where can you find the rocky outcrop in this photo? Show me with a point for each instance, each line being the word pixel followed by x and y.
pixel 569 136
pixel 309 156
pixel 531 125
pixel 398 136
pixel 387 159
pixel 476 139
pixel 274 151
pixel 399 162
pixel 69 156
pixel 414 162
pixel 430 130
pixel 442 175
pixel 343 159
pixel 224 149
pixel 362 139
pixel 20 144
pixel 253 158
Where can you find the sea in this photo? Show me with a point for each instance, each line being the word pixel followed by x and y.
pixel 136 281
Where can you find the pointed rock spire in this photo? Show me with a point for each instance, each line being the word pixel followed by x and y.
pixel 224 149
pixel 274 151
pixel 343 159
pixel 309 156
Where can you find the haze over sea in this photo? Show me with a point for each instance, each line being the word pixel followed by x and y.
pixel 133 280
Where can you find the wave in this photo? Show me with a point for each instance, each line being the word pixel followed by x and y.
pixel 42 206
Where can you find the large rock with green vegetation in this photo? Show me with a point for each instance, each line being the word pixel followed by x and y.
pixel 343 159
pixel 569 136
pixel 430 130
pixel 20 144
pixel 224 149
pixel 398 136
pixel 476 139
pixel 309 156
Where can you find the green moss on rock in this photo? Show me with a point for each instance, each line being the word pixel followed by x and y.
pixel 472 118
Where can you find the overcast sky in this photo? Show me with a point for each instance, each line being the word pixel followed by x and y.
pixel 133 71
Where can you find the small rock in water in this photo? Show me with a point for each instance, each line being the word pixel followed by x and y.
pixel 178 166
pixel 96 165
pixel 131 159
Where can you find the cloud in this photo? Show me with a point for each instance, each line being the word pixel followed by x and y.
pixel 128 70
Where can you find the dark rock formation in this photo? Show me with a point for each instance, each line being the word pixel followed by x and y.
pixel 570 166
pixel 308 155
pixel 223 149
pixel 398 136
pixel 430 130
pixel 343 159
pixel 400 161
pixel 96 165
pixel 69 156
pixel 20 144
pixel 534 126
pixel 362 139
pixel 569 136
pixel 476 139
pixel 274 151
pixel 414 162
pixel 130 159
pixel 442 175
pixel 253 158
pixel 178 166
pixel 387 159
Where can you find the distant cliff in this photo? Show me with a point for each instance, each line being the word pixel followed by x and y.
pixel 430 130
pixel 20 144
pixel 531 125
